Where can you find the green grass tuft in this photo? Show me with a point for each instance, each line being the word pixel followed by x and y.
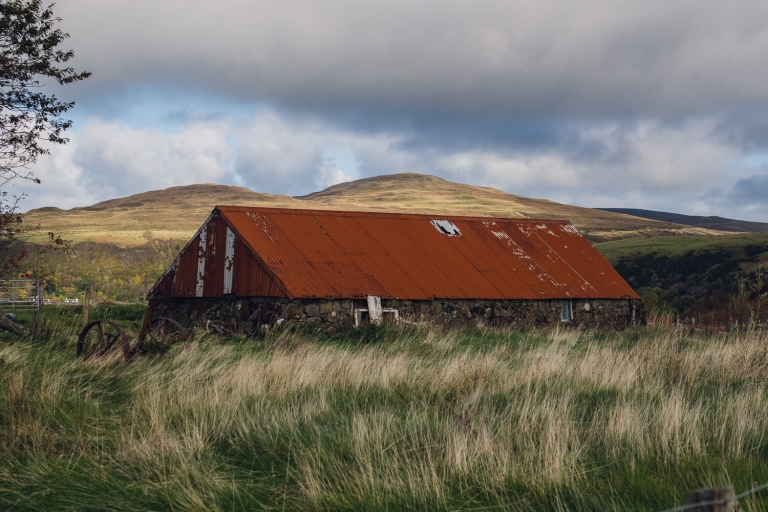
pixel 386 418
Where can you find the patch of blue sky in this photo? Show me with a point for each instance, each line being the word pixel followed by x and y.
pixel 164 109
pixel 755 160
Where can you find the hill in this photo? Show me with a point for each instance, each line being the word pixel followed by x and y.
pixel 711 222
pixel 171 214
pixel 175 213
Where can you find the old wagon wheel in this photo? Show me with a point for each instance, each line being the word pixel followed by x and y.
pixel 97 338
pixel 167 331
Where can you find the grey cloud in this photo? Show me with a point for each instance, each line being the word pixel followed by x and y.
pixel 744 199
pixel 751 191
pixel 435 59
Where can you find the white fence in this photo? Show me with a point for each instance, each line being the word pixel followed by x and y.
pixel 16 294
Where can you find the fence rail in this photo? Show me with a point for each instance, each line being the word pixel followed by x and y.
pixel 19 294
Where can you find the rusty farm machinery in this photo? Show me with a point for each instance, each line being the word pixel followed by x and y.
pixel 101 337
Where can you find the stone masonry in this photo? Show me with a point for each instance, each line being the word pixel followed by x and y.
pixel 256 315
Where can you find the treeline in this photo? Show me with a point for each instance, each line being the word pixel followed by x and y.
pixel 723 283
pixel 114 274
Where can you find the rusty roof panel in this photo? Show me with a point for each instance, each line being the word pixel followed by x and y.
pixel 250 278
pixel 216 238
pixel 323 254
pixel 186 273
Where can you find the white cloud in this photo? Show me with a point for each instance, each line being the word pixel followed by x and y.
pixel 110 159
pixel 277 157
pixel 117 159
pixel 62 183
pixel 646 156
pixel 290 155
pixel 644 164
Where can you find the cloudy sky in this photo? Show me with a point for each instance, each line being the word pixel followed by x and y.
pixel 605 103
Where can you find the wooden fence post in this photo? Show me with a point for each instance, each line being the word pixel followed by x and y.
pixel 86 303
pixel 714 499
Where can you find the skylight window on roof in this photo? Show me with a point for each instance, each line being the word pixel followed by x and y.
pixel 446 227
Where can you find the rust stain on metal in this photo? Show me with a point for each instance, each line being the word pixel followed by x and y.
pixel 330 254
pixel 215 254
pixel 201 253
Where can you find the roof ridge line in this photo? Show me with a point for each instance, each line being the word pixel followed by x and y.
pixel 305 211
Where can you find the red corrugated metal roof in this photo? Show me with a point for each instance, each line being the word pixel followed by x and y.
pixel 332 254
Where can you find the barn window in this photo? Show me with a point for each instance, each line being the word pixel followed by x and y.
pixel 567 312
pixel 361 317
pixel 446 227
pixel 388 315
pixel 374 313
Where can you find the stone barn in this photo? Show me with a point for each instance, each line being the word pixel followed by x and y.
pixel 250 269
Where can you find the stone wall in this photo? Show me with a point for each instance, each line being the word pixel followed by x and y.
pixel 254 315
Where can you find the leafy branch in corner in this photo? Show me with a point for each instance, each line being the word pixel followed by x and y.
pixel 29 117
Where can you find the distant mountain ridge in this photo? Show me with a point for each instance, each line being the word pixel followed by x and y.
pixel 177 212
pixel 712 222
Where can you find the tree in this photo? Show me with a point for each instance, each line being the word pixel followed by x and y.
pixel 30 118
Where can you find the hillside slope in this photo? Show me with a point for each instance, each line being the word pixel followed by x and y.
pixel 412 192
pixel 175 213
pixel 697 275
pixel 709 222
pixel 171 214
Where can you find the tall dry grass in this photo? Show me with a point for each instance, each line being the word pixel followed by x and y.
pixel 415 417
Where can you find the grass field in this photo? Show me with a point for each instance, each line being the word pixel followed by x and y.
pixel 384 419
pixel 677 245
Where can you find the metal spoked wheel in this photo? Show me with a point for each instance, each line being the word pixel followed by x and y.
pixel 162 333
pixel 99 337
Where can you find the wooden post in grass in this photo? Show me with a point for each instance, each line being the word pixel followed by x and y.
pixel 86 303
pixel 38 301
pixel 714 499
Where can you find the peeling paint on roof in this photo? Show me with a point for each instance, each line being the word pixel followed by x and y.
pixel 331 254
